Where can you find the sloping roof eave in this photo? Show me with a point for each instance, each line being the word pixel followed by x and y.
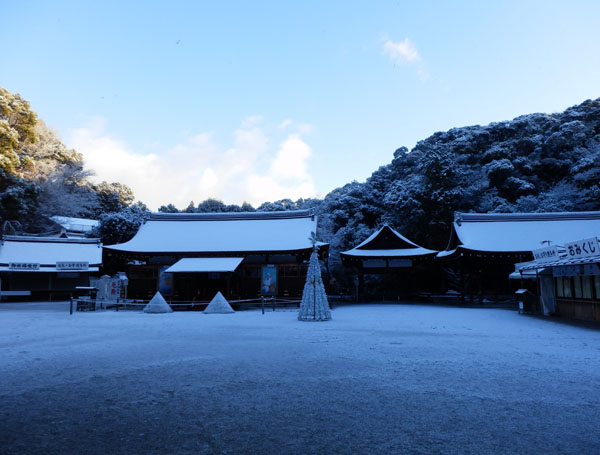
pixel 462 248
pixel 215 252
pixel 376 254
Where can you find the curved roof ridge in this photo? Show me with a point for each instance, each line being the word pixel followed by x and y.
pixel 410 245
pixel 26 238
pixel 224 216
pixel 509 217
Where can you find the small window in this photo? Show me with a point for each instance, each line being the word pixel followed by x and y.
pixel 586 284
pixel 597 286
pixel 567 286
pixel 560 291
pixel 252 272
pixel 289 270
pixel 577 291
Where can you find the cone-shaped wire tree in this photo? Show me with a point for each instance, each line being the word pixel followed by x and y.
pixel 314 305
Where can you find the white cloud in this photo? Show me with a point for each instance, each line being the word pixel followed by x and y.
pixel 197 169
pixel 287 122
pixel 401 51
pixel 405 52
pixel 290 161
pixel 301 128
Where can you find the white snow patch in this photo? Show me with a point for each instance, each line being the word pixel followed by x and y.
pixel 376 379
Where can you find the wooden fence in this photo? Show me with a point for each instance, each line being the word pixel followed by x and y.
pixel 88 304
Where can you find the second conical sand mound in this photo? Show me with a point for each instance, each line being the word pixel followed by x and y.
pixel 158 304
pixel 218 305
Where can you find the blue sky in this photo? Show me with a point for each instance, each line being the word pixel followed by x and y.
pixel 263 100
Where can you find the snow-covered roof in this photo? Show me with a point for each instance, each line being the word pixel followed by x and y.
pixel 48 251
pixel 81 225
pixel 561 262
pixel 387 242
pixel 205 265
pixel 223 232
pixel 519 232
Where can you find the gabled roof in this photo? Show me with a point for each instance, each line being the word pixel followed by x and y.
pixel 223 233
pixel 47 251
pixel 518 232
pixel 386 242
pixel 80 225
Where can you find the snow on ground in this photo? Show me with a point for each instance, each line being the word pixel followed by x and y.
pixel 377 379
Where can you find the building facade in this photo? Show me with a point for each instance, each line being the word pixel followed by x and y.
pixel 483 248
pixel 568 278
pixel 406 267
pixel 46 267
pixel 192 256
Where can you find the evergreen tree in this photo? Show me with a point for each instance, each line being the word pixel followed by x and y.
pixel 314 305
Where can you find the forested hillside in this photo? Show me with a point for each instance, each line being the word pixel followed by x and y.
pixel 40 177
pixel 534 163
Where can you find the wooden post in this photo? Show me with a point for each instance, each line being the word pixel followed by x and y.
pixel 262 304
pixel 539 300
pixel 71 306
pixel 228 284
pixel 462 278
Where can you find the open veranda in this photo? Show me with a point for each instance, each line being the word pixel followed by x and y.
pixel 377 379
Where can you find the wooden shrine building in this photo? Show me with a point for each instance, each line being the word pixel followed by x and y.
pixel 46 267
pixel 407 266
pixel 483 248
pixel 568 279
pixel 191 256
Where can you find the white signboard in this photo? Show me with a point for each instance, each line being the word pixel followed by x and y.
pixel 72 266
pixel 374 263
pixel 24 266
pixel 546 254
pixel 583 248
pixel 400 263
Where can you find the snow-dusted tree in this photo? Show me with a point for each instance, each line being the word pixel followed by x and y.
pixel 314 305
pixel 121 226
pixel 168 209
pixel 113 197
pixel 211 205
pixel 191 208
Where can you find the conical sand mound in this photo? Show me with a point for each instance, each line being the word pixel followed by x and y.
pixel 218 305
pixel 158 304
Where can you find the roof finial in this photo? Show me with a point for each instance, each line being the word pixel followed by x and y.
pixel 313 241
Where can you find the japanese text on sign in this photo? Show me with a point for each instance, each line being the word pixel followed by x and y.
pixel 546 254
pixel 72 266
pixel 24 266
pixel 583 248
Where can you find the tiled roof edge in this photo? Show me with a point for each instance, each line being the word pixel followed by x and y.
pixel 231 216
pixel 512 217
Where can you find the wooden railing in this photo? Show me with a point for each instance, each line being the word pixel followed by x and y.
pixel 87 304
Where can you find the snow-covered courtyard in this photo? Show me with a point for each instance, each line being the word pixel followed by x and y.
pixel 377 379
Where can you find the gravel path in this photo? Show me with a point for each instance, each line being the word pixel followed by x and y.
pixel 378 379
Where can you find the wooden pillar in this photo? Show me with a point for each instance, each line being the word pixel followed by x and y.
pixel 229 284
pixel 462 277
pixel 361 283
pixel 470 282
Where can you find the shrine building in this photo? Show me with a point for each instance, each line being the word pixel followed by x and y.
pixel 46 267
pixel 408 266
pixel 484 248
pixel 191 256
